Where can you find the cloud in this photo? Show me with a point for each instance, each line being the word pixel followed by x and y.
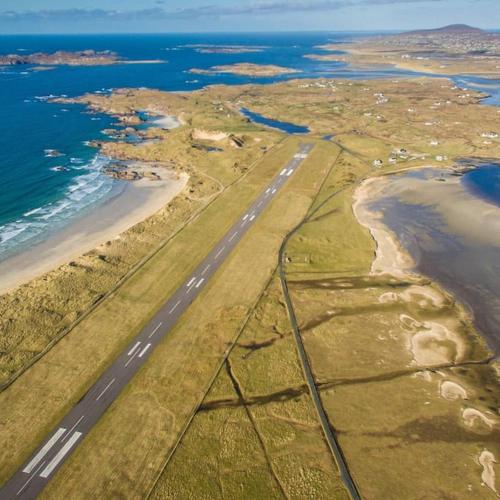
pixel 191 13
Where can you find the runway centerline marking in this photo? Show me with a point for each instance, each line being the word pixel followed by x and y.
pixel 72 429
pixel 220 251
pixel 105 389
pixel 233 236
pixel 51 442
pixel 155 330
pixel 205 270
pixel 28 481
pixel 131 359
pixel 60 455
pixel 175 307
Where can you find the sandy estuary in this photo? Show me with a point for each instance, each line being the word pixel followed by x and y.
pixel 431 222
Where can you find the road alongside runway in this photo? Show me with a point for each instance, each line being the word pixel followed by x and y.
pixel 35 473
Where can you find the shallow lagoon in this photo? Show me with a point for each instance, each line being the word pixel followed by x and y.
pixel 452 232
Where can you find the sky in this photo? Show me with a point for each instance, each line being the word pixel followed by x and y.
pixel 165 16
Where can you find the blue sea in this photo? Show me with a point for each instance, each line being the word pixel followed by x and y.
pixel 40 191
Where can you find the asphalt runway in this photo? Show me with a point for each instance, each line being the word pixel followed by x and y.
pixel 35 473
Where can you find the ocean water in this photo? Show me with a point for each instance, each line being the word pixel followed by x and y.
pixel 40 193
pixel 484 182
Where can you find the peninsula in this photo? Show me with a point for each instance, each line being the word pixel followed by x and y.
pixel 451 50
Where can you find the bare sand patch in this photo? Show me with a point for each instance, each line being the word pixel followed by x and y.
pixel 206 135
pixel 472 417
pixel 432 343
pixel 487 460
pixel 424 296
pixel 452 391
pixel 167 122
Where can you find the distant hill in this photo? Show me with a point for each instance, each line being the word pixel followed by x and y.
pixel 452 29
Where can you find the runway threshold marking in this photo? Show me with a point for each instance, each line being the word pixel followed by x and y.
pixel 137 344
pixel 144 350
pixel 105 389
pixel 51 442
pixel 60 455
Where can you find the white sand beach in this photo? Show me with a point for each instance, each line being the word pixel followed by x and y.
pixel 132 203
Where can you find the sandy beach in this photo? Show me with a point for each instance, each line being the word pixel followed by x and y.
pixel 166 122
pixel 390 257
pixel 131 203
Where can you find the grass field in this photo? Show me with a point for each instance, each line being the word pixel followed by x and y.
pixel 256 428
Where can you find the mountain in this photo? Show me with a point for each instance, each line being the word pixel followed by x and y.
pixel 452 29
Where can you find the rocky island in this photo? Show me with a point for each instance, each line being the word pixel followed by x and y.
pixel 65 58
pixel 246 69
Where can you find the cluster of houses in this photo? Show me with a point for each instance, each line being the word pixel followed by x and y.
pixel 381 99
pixel 403 154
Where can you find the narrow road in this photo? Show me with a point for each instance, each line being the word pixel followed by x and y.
pixel 35 473
pixel 331 438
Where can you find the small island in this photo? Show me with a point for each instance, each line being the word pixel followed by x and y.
pixel 65 58
pixel 246 69
pixel 225 49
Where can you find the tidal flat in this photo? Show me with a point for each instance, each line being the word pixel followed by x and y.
pixel 452 235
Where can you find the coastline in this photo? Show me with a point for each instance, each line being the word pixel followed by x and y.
pixel 450 207
pixel 132 203
pixel 390 256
